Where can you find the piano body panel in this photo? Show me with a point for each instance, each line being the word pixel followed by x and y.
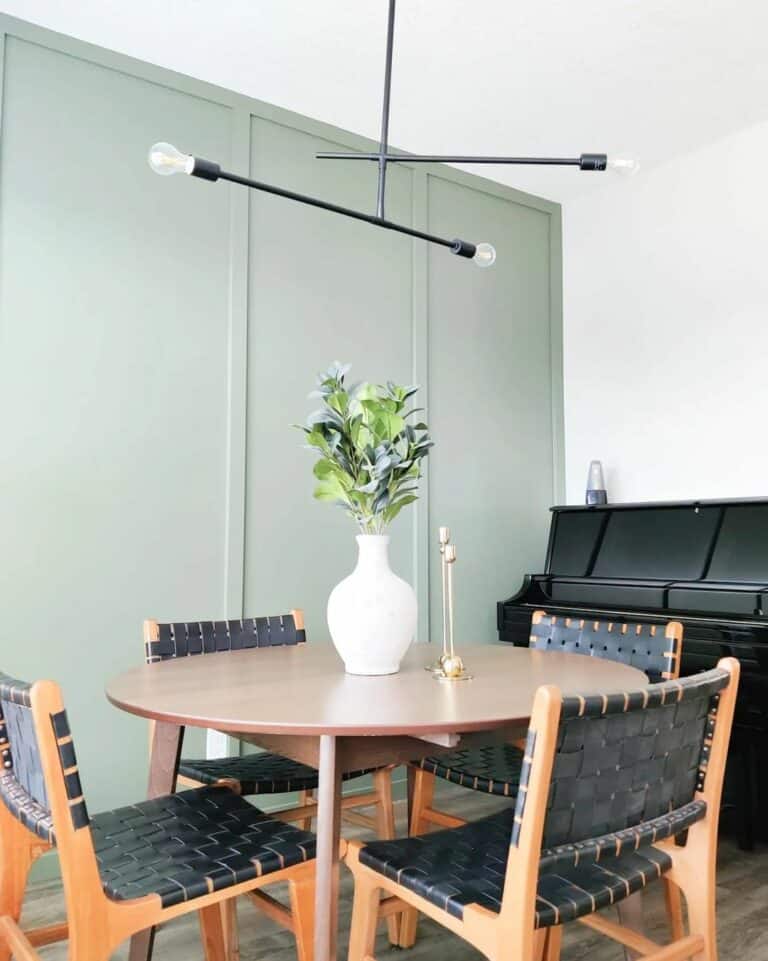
pixel 704 563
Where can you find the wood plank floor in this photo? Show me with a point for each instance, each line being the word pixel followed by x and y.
pixel 742 913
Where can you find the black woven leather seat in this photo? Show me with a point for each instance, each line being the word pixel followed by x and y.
pixel 494 769
pixel 185 845
pixel 466 865
pixel 257 773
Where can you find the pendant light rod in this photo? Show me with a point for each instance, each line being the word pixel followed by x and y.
pixel 384 141
pixel 461 247
pixel 586 161
pixel 165 159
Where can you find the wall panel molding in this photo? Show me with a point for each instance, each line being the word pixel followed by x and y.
pixel 237 370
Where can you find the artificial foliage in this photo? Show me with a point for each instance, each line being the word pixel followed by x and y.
pixel 371 446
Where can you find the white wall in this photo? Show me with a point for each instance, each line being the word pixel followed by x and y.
pixel 666 333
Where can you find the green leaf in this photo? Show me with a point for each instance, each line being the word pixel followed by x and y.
pixel 397 505
pixel 392 425
pixel 330 489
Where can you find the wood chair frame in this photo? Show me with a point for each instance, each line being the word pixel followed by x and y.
pixel 382 822
pixel 692 872
pixel 96 924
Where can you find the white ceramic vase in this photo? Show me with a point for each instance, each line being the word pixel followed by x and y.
pixel 372 613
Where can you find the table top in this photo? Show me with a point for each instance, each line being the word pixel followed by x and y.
pixel 304 690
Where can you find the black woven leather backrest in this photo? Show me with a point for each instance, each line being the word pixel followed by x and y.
pixel 22 783
pixel 18 741
pixel 642 645
pixel 185 638
pixel 624 759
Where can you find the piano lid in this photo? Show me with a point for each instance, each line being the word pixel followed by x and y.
pixel 703 555
pixel 670 541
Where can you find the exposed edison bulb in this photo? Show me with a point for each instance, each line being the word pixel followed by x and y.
pixel 626 166
pixel 485 255
pixel 165 160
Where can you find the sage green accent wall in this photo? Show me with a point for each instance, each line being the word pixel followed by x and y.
pixel 158 337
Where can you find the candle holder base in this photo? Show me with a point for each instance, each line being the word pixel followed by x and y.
pixel 452 669
pixel 436 667
pixel 464 676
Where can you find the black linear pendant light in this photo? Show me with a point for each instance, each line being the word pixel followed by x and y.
pixel 165 159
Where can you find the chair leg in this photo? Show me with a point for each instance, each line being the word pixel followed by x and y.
pixel 16 857
pixel 385 829
pixel 212 933
pixel 673 899
pixel 305 797
pixel 423 792
pixel 411 775
pixel 553 943
pixel 539 944
pixel 231 931
pixel 699 891
pixel 302 898
pixel 365 913
pixel 423 789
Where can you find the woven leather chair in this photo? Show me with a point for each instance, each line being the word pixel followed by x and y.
pixel 606 784
pixel 264 773
pixel 495 769
pixel 135 867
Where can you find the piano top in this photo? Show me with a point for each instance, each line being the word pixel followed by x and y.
pixel 645 505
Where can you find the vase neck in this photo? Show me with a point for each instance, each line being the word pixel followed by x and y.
pixel 373 552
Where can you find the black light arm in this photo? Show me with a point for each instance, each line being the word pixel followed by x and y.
pixel 586 161
pixel 207 170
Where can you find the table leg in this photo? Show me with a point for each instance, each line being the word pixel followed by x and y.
pixel 328 833
pixel 411 774
pixel 163 769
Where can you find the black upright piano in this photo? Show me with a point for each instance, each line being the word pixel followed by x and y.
pixel 704 563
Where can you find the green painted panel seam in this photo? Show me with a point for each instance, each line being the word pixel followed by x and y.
pixel 237 383
pixel 3 38
pixel 237 373
pixel 420 346
pixel 556 355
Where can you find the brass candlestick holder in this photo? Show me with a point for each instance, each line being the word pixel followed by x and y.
pixel 451 665
pixel 444 536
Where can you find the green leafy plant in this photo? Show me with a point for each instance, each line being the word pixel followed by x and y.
pixel 370 450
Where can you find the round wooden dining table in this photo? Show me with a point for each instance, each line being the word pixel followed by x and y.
pixel 298 702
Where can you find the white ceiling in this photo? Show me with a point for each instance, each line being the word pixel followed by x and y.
pixel 653 78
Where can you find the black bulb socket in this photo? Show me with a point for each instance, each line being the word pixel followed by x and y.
pixel 463 248
pixel 593 161
pixel 205 169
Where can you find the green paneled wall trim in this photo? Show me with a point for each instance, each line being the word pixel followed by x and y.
pixel 159 337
